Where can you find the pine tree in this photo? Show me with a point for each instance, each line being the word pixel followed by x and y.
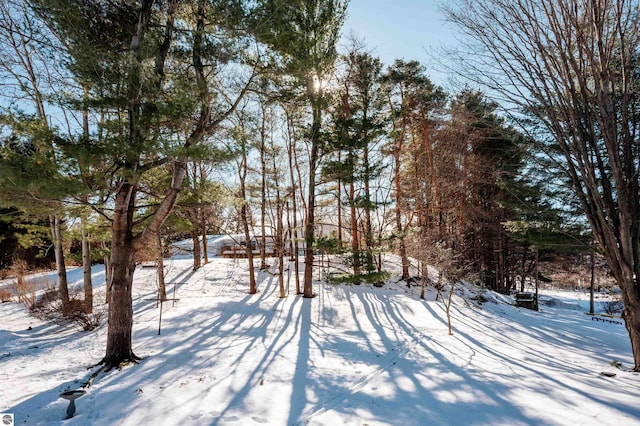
pixel 153 90
pixel 305 32
pixel 358 122
pixel 31 73
pixel 412 98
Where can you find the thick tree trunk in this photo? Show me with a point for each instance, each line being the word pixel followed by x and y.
pixel 119 348
pixel 631 317
pixel 123 265
pixel 195 237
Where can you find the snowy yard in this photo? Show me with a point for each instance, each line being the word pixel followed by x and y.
pixel 354 355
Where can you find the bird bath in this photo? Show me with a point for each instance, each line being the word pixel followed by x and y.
pixel 72 395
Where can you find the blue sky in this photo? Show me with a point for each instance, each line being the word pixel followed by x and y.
pixel 408 29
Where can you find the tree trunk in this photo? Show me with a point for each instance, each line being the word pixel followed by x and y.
pixel 368 228
pixel 86 265
pixel 280 244
pixel 205 241
pixel 120 306
pixel 536 277
pixel 592 282
pixel 197 255
pixel 108 273
pixel 500 280
pixel 263 198
pixel 123 265
pixel 244 212
pixel 340 237
pixel 245 219
pixel 122 262
pixel 63 287
pixel 309 226
pixel 399 228
pixel 291 151
pixel 162 287
pixel 448 307
pixel 423 281
pixel 355 239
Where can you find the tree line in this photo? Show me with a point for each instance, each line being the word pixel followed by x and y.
pixel 145 121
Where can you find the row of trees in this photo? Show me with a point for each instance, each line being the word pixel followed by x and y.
pixel 130 111
pixel 569 70
pixel 121 97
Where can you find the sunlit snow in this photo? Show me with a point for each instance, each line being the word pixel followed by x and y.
pixel 354 355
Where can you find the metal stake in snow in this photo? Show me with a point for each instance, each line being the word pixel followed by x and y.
pixel 72 396
pixel 160 300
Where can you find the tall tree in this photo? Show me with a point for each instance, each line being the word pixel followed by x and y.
pixel 294 178
pixel 572 65
pixel 358 121
pixel 490 158
pixel 411 97
pixel 244 210
pixel 306 33
pixel 26 73
pixel 152 70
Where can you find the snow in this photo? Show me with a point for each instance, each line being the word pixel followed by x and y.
pixel 353 355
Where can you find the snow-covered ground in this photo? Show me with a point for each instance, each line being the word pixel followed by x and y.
pixel 354 355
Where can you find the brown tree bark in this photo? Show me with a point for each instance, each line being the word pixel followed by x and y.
pixel 124 245
pixel 63 287
pixel 197 254
pixel 119 349
pixel 162 286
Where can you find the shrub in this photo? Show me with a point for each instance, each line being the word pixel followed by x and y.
pixel 375 278
pixel 5 295
pixel 48 307
pixel 613 307
pixel 24 290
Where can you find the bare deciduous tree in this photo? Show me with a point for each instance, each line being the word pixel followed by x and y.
pixel 572 65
